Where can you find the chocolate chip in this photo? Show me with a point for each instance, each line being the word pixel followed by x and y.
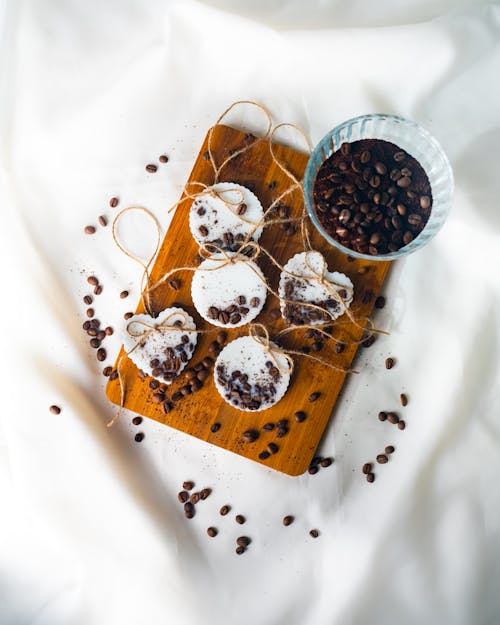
pixel 239 518
pixel 389 363
pixel 300 416
pixel 401 425
pixel 314 533
pixel 139 437
pixel 224 510
pixel 89 230
pixel 55 410
pixel 212 532
pixel 404 399
pixel 382 459
pixel 215 427
pixel 188 485
pixel 314 396
pixel 203 231
pixel 367 467
pixel 288 520
pixel 123 294
pixel 175 284
pixel 389 449
pixel 151 168
pixel 370 477
pixel 264 455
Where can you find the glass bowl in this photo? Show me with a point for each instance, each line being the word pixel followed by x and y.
pixel 410 137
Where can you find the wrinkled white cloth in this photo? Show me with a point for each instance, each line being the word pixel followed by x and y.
pixel 91 530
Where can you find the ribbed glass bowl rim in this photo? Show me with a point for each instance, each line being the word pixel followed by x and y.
pixel 324 146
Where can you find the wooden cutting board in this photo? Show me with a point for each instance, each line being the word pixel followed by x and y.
pixel 195 413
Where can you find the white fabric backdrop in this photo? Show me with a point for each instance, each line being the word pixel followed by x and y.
pixel 91 531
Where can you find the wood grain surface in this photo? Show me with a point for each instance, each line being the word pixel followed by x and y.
pixel 195 413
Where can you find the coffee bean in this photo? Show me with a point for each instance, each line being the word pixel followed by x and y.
pixel 101 354
pixel 151 168
pixel 300 416
pixel 268 427
pixel 369 341
pixel 389 363
pixel 175 284
pixel 255 302
pixel 189 510
pixel 249 436
pixel 93 280
pixel 163 158
pixel 89 230
pixel 215 427
pixel 98 289
pixel 380 301
pixel 264 455
pixel 95 343
pixel 109 331
pixel 90 312
pixel 392 417
pixel 239 550
pixel 239 518
pixel 365 157
pixel 401 425
pixel 55 410
pixel 345 148
pixel 195 498
pixel 367 467
pixel 382 459
pixel 87 300
pixel 221 337
pixel 224 510
pixel 314 396
pixel 281 431
pixel 183 496
pixel 382 416
pixel 123 294
pixel 139 437
pixel 212 532
pixel 407 237
pixel 370 477
pixel 425 202
pixel 288 520
pixel 103 220
pixel 389 449
pixel 272 448
pixel 113 202
pixel 203 231
pixel 107 371
pixel 128 315
pixel 204 493
pixel 137 420
pixel 207 361
pixel 188 485
pixel 326 462
pixel 243 541
pixel 404 399
pixel 312 470
pixel 380 168
pixel 101 335
pixel 314 533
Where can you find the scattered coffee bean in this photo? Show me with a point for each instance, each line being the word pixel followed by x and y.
pixel 189 510
pixel 367 467
pixel 107 371
pixel 175 284
pixel 255 302
pixel 392 417
pixel 87 300
pixel 163 158
pixel 90 312
pixel 137 420
pixel 268 427
pixel 224 510
pixel 98 289
pixel 95 343
pixel 239 518
pixel 212 532
pixel 101 354
pixel 389 449
pixel 382 416
pixel 326 462
pixel 380 301
pixel 314 533
pixel 243 541
pixel 204 493
pixel 239 550
pixel 207 361
pixel 151 168
pixel 404 399
pixel 264 455
pixel 389 363
pixel 368 341
pixel 312 470
pixel 272 448
pixel 288 520
pixel 314 396
pixel 139 437
pixel 195 498
pixel 183 496
pixel 249 436
pixel 300 416
pixel 89 230
pixel 113 202
pixel 382 459
pixel 188 485
pixel 109 331
pixel 124 294
pixel 215 427
pixel 55 410
pixel 401 425
pixel 128 315
pixel 370 477
pixel 93 280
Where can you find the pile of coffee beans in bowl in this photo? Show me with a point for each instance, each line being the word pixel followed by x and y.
pixel 372 197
